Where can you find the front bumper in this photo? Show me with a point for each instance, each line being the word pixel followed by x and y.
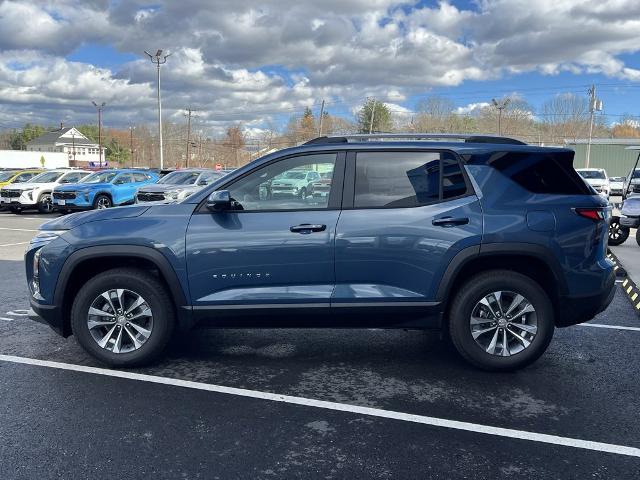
pixel 21 201
pixel 630 222
pixel 49 315
pixel 579 309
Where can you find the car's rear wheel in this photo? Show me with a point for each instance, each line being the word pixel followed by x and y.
pixel 123 317
pixel 102 202
pixel 15 209
pixel 501 320
pixel 45 204
pixel 617 233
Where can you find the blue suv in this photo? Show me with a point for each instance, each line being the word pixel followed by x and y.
pixel 490 240
pixel 103 189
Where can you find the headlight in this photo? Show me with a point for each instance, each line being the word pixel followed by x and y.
pixel 44 237
pixel 172 194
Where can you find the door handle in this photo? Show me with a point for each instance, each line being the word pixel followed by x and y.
pixel 308 228
pixel 450 221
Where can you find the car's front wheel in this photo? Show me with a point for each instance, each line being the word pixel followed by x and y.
pixel 101 202
pixel 501 320
pixel 123 317
pixel 45 204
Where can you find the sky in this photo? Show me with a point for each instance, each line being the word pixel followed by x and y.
pixel 258 63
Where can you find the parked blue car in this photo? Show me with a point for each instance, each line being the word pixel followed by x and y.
pixel 104 189
pixel 492 241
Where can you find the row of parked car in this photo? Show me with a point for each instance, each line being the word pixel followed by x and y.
pixel 606 185
pixel 69 190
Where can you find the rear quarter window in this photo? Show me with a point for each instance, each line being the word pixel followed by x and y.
pixel 541 172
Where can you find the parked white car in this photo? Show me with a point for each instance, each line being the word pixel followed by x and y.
pixel 617 185
pixel 36 193
pixel 597 178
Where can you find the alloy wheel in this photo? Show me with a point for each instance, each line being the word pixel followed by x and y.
pixel 46 204
pixel 102 203
pixel 120 320
pixel 503 323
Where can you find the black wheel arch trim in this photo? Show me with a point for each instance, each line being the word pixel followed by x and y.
pixel 132 251
pixel 471 253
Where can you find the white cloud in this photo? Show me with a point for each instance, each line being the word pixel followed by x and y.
pixel 232 59
pixel 471 108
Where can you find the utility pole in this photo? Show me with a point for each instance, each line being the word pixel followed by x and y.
pixel 131 144
pixel 373 114
pixel 189 112
pixel 99 107
pixel 321 116
pixel 73 147
pixel 156 59
pixel 500 105
pixel 595 104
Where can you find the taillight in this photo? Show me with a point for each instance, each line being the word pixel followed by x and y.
pixel 595 214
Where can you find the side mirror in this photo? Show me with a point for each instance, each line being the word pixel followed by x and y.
pixel 219 200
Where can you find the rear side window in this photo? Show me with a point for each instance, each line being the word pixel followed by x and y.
pixel 538 172
pixel 406 179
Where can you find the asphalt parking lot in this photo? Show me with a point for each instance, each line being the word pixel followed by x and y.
pixel 313 403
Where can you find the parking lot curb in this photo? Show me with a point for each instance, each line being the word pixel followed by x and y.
pixel 629 287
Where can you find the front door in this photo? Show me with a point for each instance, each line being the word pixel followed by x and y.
pixel 406 216
pixel 274 249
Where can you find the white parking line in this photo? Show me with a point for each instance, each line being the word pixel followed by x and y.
pixel 340 407
pixel 614 327
pixel 18 229
pixel 13 244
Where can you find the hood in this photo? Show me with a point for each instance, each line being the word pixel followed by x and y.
pixel 596 181
pixel 287 181
pixel 29 186
pixel 165 187
pixel 73 187
pixel 68 222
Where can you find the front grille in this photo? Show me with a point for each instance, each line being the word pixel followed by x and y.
pixel 11 193
pixel 282 187
pixel 150 197
pixel 636 188
pixel 64 195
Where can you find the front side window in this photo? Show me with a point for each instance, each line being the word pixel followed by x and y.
pixel 284 185
pixel 73 177
pixel 124 178
pixel 406 179
pixel 140 177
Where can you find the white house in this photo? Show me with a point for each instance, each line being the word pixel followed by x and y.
pixel 80 151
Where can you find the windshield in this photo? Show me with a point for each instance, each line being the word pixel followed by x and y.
pixel 4 176
pixel 592 174
pixel 617 179
pixel 295 175
pixel 46 177
pixel 180 178
pixel 636 173
pixel 100 177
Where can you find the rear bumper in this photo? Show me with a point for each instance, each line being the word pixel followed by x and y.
pixel 630 222
pixel 573 310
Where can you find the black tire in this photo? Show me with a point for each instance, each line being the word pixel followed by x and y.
pixel 303 193
pixel 102 201
pixel 638 237
pixel 158 300
pixel 16 210
pixel 45 203
pixel 617 233
pixel 472 292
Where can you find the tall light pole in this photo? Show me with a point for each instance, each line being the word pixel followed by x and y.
pixel 500 105
pixel 159 61
pixel 595 105
pixel 99 107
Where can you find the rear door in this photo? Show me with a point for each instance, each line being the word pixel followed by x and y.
pixel 270 252
pixel 405 216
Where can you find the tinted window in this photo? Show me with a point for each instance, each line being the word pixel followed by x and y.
pixel 73 177
pixel 541 172
pixel 405 179
pixel 124 178
pixel 592 174
pixel 281 185
pixel 188 177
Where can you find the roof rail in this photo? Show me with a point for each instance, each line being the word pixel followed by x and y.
pixel 467 138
